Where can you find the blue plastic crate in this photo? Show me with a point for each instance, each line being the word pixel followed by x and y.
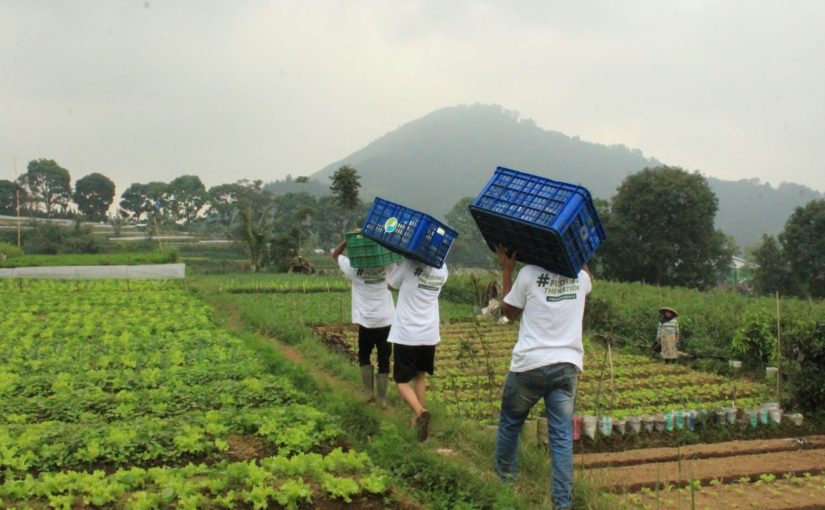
pixel 548 223
pixel 409 232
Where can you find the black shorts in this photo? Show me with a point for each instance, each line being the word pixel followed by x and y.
pixel 374 337
pixel 408 360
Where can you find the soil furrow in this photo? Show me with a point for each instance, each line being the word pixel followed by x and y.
pixel 699 451
pixel 725 469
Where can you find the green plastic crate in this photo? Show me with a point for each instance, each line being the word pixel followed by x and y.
pixel 363 252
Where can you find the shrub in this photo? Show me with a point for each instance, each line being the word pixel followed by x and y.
pixel 808 380
pixel 755 339
pixel 48 238
pixel 9 251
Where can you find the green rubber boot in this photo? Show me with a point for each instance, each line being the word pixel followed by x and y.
pixel 381 383
pixel 367 381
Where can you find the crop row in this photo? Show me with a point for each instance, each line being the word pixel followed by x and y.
pixel 473 360
pixel 52 445
pixel 288 482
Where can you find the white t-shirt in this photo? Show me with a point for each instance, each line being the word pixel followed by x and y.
pixel 551 324
pixel 416 314
pixel 371 299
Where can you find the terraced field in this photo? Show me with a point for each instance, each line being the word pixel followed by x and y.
pixel 662 401
pixel 473 360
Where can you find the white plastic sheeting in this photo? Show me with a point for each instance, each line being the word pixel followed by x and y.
pixel 144 272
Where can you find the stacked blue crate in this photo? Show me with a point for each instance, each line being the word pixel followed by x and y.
pixel 409 232
pixel 548 223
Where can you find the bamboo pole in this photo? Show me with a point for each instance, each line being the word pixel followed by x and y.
pixel 778 351
pixel 612 372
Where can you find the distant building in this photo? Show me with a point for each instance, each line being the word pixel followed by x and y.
pixel 740 271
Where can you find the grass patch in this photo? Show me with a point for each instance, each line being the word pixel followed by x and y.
pixel 92 259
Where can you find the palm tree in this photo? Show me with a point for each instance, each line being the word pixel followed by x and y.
pixel 256 233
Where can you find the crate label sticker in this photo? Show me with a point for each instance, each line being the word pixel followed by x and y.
pixel 440 231
pixel 390 225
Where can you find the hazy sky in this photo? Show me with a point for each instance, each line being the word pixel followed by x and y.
pixel 149 90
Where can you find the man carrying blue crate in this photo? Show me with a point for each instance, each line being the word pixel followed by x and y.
pixel 415 333
pixel 545 364
pixel 373 311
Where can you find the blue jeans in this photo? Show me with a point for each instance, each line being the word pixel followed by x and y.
pixel 557 385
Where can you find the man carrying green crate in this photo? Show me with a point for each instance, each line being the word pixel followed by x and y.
pixel 545 364
pixel 373 311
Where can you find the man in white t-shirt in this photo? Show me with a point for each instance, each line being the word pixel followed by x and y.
pixel 415 333
pixel 545 364
pixel 372 310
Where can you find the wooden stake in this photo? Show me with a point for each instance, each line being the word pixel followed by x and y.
pixel 778 351
pixel 612 380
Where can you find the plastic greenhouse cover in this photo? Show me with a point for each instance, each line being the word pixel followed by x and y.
pixel 142 272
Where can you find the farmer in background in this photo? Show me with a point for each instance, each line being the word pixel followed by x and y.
pixel 372 310
pixel 667 334
pixel 545 364
pixel 415 333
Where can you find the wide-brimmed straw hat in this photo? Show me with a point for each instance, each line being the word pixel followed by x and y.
pixel 668 309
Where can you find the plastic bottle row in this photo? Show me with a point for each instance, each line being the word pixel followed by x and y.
pixel 679 420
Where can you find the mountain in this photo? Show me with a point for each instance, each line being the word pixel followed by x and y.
pixel 749 208
pixel 432 162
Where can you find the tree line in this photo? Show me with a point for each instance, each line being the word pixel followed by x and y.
pixel 660 230
pixel 45 189
pixel 272 228
pixel 659 223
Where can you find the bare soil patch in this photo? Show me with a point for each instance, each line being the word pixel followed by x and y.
pixel 699 451
pixel 724 469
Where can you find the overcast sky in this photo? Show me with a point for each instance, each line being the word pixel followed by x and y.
pixel 150 90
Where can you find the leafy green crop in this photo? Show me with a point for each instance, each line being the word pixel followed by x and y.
pixel 103 376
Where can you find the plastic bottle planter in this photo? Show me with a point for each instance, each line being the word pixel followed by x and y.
pixel 680 420
pixel 589 426
pixel 669 421
pixel 659 423
pixel 770 373
pixel 796 418
pixel 742 417
pixel 775 415
pixel 648 423
pixel 763 415
pixel 774 411
pixel 735 364
pixel 753 418
pixel 691 420
pixel 606 426
pixel 720 415
pixel 619 427
pixel 634 424
pixel 730 415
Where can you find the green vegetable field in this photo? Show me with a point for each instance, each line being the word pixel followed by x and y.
pixel 135 399
pixel 161 394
